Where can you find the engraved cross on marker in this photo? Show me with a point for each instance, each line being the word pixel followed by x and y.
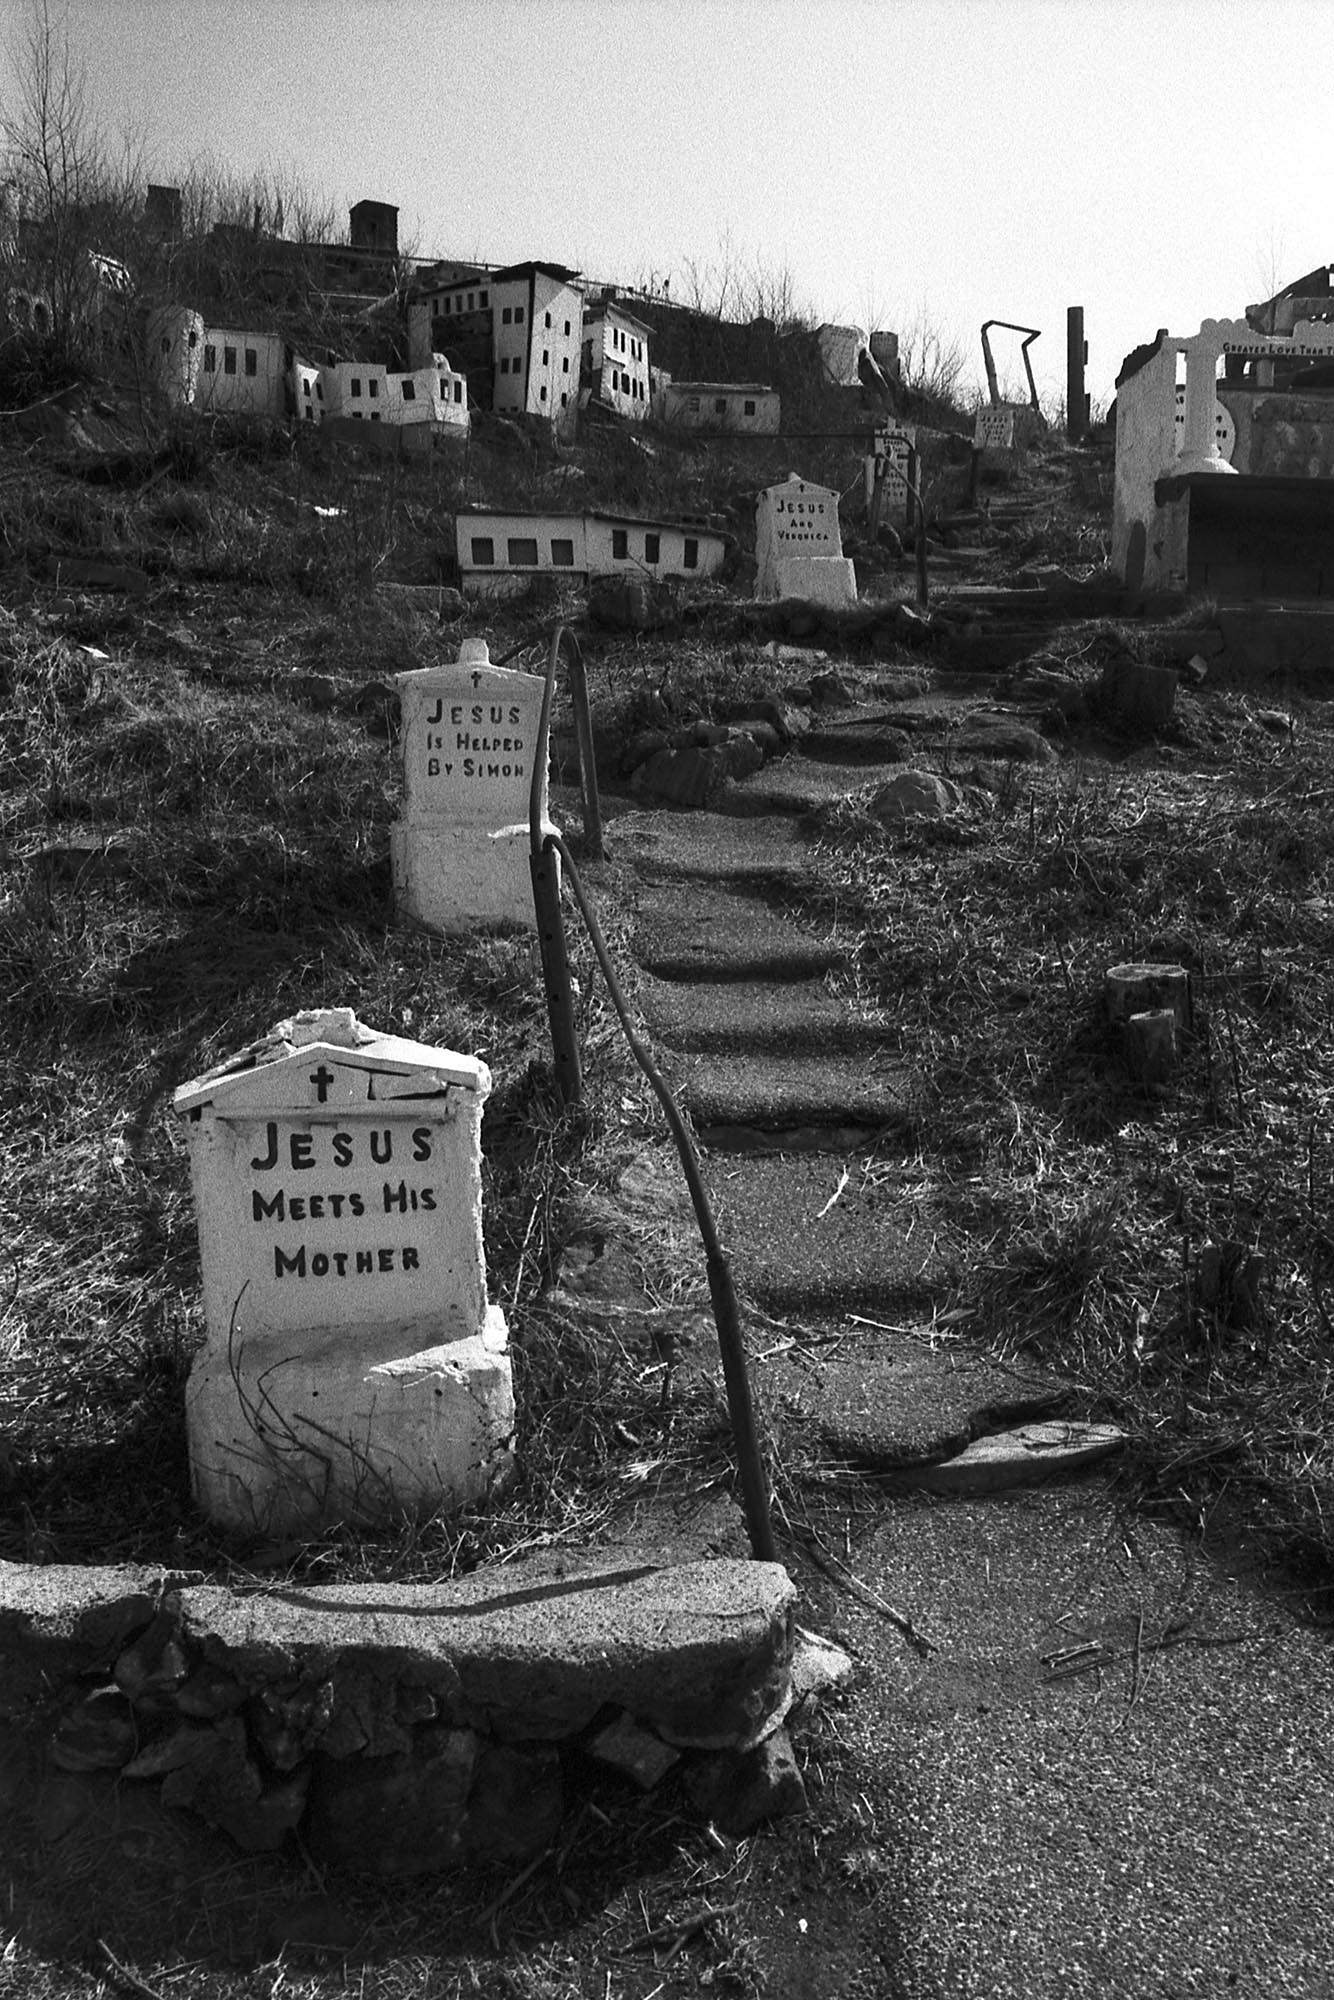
pixel 322 1078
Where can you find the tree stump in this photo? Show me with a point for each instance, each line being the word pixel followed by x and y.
pixel 1145 989
pixel 1138 697
pixel 1149 1045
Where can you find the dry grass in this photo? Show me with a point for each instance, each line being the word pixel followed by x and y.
pixel 1081 1203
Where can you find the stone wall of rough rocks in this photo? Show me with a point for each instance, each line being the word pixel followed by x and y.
pixel 407 1728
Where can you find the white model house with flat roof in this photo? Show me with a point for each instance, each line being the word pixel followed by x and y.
pixel 537 327
pixel 615 370
pixel 371 393
pixel 501 552
pixel 740 407
pixel 241 373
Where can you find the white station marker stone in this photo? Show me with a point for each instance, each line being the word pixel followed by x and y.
pixel 469 736
pixel 353 1369
pixel 799 547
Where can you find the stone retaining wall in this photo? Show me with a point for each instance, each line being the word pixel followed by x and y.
pixel 406 1728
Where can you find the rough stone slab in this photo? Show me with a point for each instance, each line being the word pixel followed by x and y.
pixel 874 739
pixel 1019 1457
pixel 799 785
pixel 796 1015
pixel 710 847
pixel 889 1401
pixel 866 1250
pixel 775 1093
pixel 704 934
pixel 61 1620
pixel 699 1651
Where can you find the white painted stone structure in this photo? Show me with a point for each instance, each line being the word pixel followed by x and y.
pixel 993 428
pixel 460 851
pixel 890 460
pixel 1152 443
pixel 799 547
pixel 352 1369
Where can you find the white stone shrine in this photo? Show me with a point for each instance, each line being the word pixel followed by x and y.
pixel 890 462
pixel 469 736
pixel 352 1369
pixel 994 429
pixel 798 545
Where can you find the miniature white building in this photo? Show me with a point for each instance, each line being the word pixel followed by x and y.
pixel 469 738
pixel 615 366
pixel 175 337
pixel 500 553
pixel 352 1367
pixel 371 393
pixel 241 373
pixel 745 407
pixel 537 328
pixel 799 546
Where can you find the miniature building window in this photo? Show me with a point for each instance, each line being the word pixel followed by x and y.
pixel 504 364
pixel 373 388
pixel 229 360
pixel 305 388
pixel 523 551
pixel 507 314
pixel 319 392
pixel 356 385
pixel 562 554
pixel 483 549
pixel 542 393
pixel 482 298
pixel 691 555
pixel 565 366
pixel 720 406
pixel 251 361
pixel 748 407
pixel 194 340
pixel 546 320
pixel 470 302
pixel 567 326
pixel 518 315
pixel 620 543
pixel 444 390
pixel 564 400
pixel 409 389
pixel 652 548
pixel 458 392
pixel 375 416
pixel 546 357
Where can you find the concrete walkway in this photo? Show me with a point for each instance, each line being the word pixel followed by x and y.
pixel 1105 1768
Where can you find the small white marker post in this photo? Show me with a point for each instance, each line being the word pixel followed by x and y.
pixel 353 1369
pixel 469 736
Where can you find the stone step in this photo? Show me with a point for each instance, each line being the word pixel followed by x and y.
pixel 710 847
pixel 801 785
pixel 794 1015
pixel 734 1096
pixel 804 1241
pixel 890 1399
pixel 878 741
pixel 706 934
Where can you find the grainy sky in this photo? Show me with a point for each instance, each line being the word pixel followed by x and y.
pixel 903 161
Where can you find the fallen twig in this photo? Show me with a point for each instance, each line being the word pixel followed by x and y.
pixel 128 1974
pixel 680 1932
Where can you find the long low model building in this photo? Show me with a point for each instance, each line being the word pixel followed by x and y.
pixel 501 553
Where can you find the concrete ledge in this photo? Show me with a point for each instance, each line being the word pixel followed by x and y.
pixel 401 1727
